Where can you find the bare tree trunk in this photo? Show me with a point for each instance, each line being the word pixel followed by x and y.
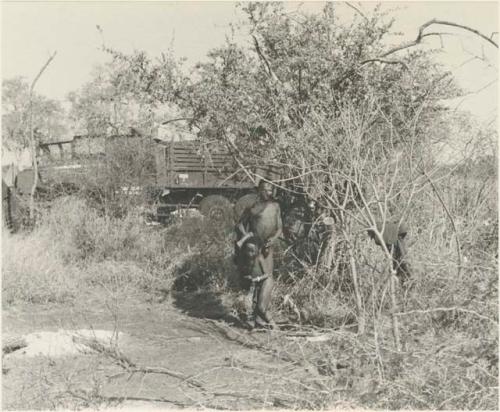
pixel 328 256
pixel 357 294
pixel 35 169
pixel 394 309
pixel 32 140
pixel 394 318
pixel 457 240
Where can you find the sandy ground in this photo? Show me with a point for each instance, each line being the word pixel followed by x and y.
pixel 54 372
pixel 62 342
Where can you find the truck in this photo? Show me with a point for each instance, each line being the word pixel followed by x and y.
pixel 167 175
pixel 193 175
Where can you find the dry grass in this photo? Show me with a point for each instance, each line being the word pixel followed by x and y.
pixel 34 270
pixel 448 319
pixel 75 246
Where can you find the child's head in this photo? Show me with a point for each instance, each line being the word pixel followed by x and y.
pixel 251 249
pixel 265 190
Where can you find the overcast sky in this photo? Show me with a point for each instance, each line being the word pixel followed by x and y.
pixel 32 31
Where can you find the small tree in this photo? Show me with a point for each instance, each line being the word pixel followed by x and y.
pixel 353 126
pixel 130 91
pixel 33 143
pixel 48 115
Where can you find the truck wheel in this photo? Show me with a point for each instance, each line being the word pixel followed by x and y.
pixel 243 203
pixel 10 209
pixel 6 206
pixel 216 207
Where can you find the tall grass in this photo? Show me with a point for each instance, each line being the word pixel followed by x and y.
pixel 75 246
pixel 448 321
pixel 447 311
pixel 34 270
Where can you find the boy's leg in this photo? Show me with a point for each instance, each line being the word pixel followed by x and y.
pixel 250 303
pixel 264 299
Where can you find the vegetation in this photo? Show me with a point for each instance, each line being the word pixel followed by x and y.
pixel 354 125
pixel 48 115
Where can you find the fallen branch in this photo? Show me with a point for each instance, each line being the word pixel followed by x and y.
pixel 234 336
pixel 177 119
pixel 12 344
pixel 410 393
pixel 123 361
pixel 453 309
pixel 112 352
pixel 144 399
pixel 323 390
pixel 461 395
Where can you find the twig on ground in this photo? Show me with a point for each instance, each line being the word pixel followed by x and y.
pixel 453 309
pixel 12 344
pixel 237 337
pixel 409 392
pixel 460 395
pixel 115 354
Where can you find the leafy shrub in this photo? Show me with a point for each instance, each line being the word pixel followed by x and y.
pixel 210 263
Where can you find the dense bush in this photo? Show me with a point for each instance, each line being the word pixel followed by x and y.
pixel 75 244
pixel 448 321
pixel 356 132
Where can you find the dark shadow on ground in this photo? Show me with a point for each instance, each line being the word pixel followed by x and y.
pixel 204 305
pixel 193 288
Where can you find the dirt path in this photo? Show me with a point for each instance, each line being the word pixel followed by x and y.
pixel 192 361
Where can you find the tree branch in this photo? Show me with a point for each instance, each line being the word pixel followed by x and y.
pixel 356 10
pixel 32 139
pixel 402 63
pixel 263 58
pixel 457 240
pixel 177 119
pixel 41 72
pixel 421 35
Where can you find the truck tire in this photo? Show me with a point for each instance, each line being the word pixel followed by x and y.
pixel 6 206
pixel 243 203
pixel 10 209
pixel 216 207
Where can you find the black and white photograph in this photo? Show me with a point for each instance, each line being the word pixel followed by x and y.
pixel 220 205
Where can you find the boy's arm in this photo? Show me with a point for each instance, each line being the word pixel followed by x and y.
pixel 243 222
pixel 279 226
pixel 242 232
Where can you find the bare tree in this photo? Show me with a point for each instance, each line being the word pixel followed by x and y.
pixel 33 143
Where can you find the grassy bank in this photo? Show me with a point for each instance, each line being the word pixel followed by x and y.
pixel 448 312
pixel 75 247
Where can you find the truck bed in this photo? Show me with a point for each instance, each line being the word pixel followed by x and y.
pixel 191 164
